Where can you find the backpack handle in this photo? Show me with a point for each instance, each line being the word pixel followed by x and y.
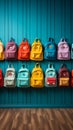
pixel 37 40
pixel 37 65
pixel 51 39
pixel 63 65
pixel 50 66
pixel 63 40
pixel 23 66
pixel 12 39
pixel 10 66
pixel 25 40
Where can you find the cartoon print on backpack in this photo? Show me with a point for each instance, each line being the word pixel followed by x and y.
pixel 10 77
pixel 1 51
pixel 11 50
pixel 24 50
pixel 50 76
pixel 37 77
pixel 36 53
pixel 50 50
pixel 64 76
pixel 63 50
pixel 23 78
pixel 1 79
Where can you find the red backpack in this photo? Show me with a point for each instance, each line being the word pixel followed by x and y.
pixel 72 78
pixel 24 50
pixel 64 76
pixel 1 79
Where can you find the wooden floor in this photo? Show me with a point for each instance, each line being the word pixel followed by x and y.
pixel 36 119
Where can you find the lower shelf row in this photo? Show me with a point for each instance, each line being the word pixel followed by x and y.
pixel 37 78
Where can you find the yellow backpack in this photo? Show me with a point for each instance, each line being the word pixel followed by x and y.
pixel 1 51
pixel 37 77
pixel 36 51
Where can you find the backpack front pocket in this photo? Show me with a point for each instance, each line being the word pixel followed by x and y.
pixel 37 56
pixel 50 54
pixel 37 83
pixel 10 83
pixel 11 55
pixel 51 81
pixel 23 82
pixel 24 55
pixel 64 55
pixel 64 82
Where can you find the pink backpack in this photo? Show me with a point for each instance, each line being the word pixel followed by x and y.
pixel 11 50
pixel 63 50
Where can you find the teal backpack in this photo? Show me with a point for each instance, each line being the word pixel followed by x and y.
pixel 23 79
pixel 50 76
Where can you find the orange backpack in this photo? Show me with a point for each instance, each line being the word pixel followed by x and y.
pixel 24 50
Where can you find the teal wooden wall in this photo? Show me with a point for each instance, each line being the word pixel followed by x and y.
pixel 31 19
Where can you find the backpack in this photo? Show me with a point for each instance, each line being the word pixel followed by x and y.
pixel 37 77
pixel 50 76
pixel 1 79
pixel 64 76
pixel 72 51
pixel 63 50
pixel 24 50
pixel 23 79
pixel 10 77
pixel 11 50
pixel 50 50
pixel 36 51
pixel 1 51
pixel 72 78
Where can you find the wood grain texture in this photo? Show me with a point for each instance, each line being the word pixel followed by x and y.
pixel 36 119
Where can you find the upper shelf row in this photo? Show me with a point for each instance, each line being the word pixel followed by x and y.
pixel 36 52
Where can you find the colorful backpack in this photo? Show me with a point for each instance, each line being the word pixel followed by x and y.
pixel 37 77
pixel 36 51
pixel 72 51
pixel 50 76
pixel 10 77
pixel 11 50
pixel 23 79
pixel 1 79
pixel 72 78
pixel 24 50
pixel 1 51
pixel 63 50
pixel 50 50
pixel 64 76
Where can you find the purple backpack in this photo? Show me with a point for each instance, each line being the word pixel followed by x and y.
pixel 63 50
pixel 11 50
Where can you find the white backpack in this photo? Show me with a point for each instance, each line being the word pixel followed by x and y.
pixel 50 76
pixel 10 77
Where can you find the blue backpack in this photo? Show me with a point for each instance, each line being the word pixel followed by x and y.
pixel 23 79
pixel 50 50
